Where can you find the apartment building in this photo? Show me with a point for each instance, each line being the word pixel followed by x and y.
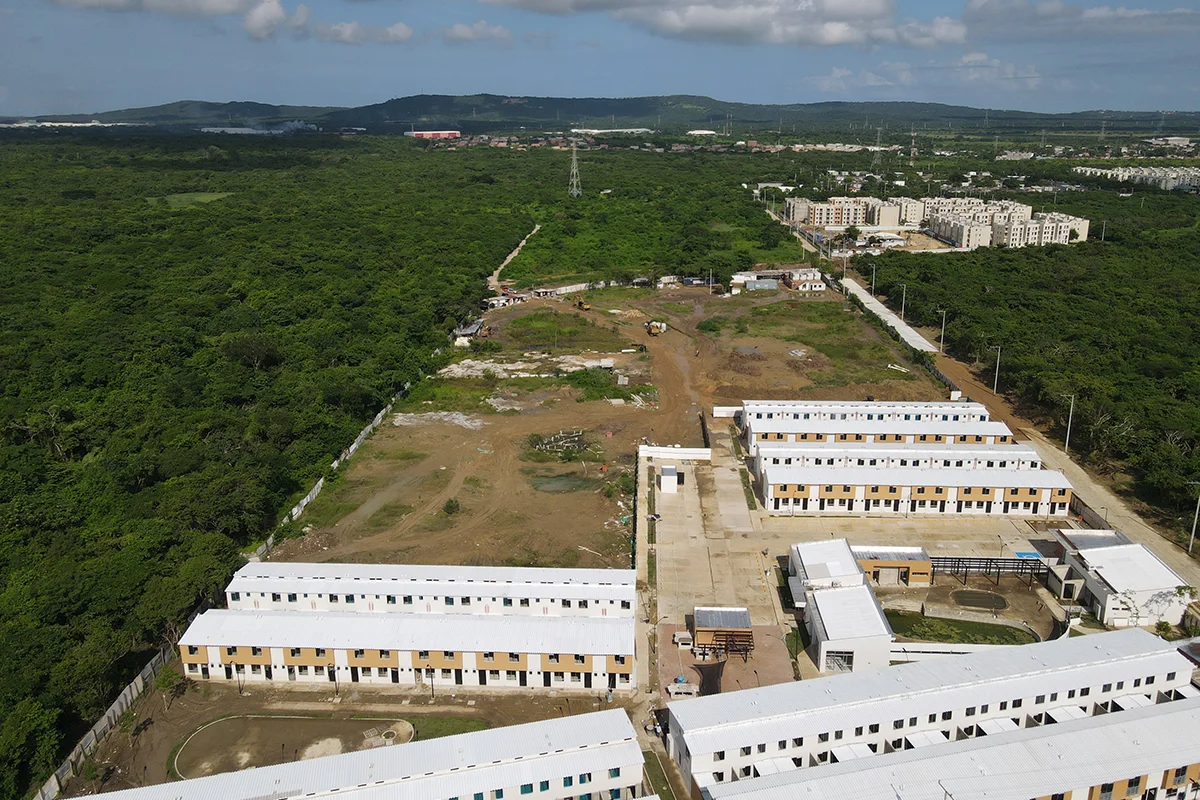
pixel 891 432
pixel 588 755
pixel 906 411
pixel 422 589
pixel 912 212
pixel 963 232
pixel 1142 753
pixel 900 491
pixel 523 652
pixel 1042 229
pixel 1122 583
pixel 742 735
pixel 923 456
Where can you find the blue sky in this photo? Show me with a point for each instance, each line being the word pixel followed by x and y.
pixel 80 56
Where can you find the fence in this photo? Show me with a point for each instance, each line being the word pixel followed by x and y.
pixel 110 719
pixel 1087 514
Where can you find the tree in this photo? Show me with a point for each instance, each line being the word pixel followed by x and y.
pixel 170 684
pixel 451 507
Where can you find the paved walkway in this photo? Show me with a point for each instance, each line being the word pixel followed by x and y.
pixel 907 333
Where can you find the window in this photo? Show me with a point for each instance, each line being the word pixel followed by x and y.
pixel 291 597
pixel 583 603
pixel 318 670
pixel 231 651
pixel 193 667
pixel 566 603
pixel 1134 787
pixel 625 605
pixel 526 788
pixel 489 656
pixel 762 748
pixel 1170 676
pixel 193 650
pixel 781 744
pixel 544 786
pixel 1120 685
pixel 798 742
pixel 255 668
pixel 295 651
pixel 1137 682
pixel 585 778
pixel 358 653
pixel 385 653
pixel 1070 694
pixel 717 756
pixel 350 598
pixel 235 596
pixel 897 725
pixel 320 652
pixel 970 711
pixel 873 727
pixel 1180 776
pixel 1150 680
pixel 912 722
pixel 947 715
pixel 1041 698
pixel 498 794
pixel 1082 692
pixel 619 660
pixel 333 598
pixel 445 673
pixel 466 601
pixel 1016 703
pixel 449 601
pixel 1003 705
pixel 408 599
pixel 552 658
pixel 508 602
pixel 823 737
pixel 1053 696
pixel 1106 688
pixel 513 658
pixel 423 655
pixel 615 772
pixel 932 718
pixel 276 597
pixel 580 660
pixel 983 709
pixel 303 669
pixel 1106 791
pixel 447 654
pixel 510 674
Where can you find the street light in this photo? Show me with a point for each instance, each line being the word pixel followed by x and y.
pixel 942 341
pixel 1195 517
pixel 903 299
pixel 996 381
pixel 872 277
pixel 1070 418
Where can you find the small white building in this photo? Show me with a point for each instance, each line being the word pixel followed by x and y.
pixel 1122 583
pixel 822 565
pixel 557 759
pixel 848 629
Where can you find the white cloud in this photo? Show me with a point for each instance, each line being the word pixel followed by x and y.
pixel 789 22
pixel 480 31
pixel 1009 19
pixel 261 19
pixel 971 70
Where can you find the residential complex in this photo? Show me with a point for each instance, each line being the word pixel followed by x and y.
pixel 1166 178
pixel 1121 583
pixel 497 652
pixel 903 411
pixel 414 588
pixel 923 456
pixel 964 222
pixel 589 755
pixel 760 432
pixel 806 728
pixel 1142 752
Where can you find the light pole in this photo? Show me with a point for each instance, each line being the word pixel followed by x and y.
pixel 903 299
pixel 996 380
pixel 1070 418
pixel 1195 517
pixel 942 341
pixel 872 277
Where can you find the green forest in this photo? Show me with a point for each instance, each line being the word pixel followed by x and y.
pixel 1114 323
pixel 195 328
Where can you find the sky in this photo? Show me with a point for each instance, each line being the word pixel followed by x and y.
pixel 85 56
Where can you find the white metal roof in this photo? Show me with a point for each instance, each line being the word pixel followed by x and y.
pixel 849 612
pixel 826 560
pixel 919 450
pixel 879 426
pixel 1014 765
pixel 455 632
pixel 1131 567
pixel 425 588
pixel 867 405
pixel 451 766
pixel 1080 539
pixel 775 712
pixel 357 573
pixel 889 553
pixel 900 476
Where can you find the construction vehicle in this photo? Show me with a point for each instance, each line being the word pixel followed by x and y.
pixel 655 328
pixel 581 305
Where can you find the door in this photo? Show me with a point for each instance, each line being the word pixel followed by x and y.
pixel 332 675
pixel 524 676
pixel 483 677
pixel 1007 506
pixel 228 672
pixel 612 680
pixel 546 679
pixel 354 674
pixel 204 671
pixel 458 677
pixel 988 508
pixel 395 675
pixel 267 671
pixel 587 680
pixel 291 673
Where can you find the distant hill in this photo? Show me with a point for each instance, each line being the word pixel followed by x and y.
pixel 672 113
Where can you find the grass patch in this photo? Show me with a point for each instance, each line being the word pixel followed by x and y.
pixel 386 516
pixel 651 503
pixel 748 489
pixel 912 625
pixel 736 443
pixel 188 199
pixel 464 394
pixel 677 308
pixel 828 328
pixel 657 777
pixel 615 294
pixel 337 499
pixel 380 454
pixel 475 482
pixel 797 641
pixel 559 484
pixel 556 331
pixel 651 568
pixel 434 727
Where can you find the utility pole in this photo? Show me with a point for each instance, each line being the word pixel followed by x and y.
pixel 1070 419
pixel 942 341
pixel 1195 517
pixel 903 299
pixel 872 276
pixel 996 380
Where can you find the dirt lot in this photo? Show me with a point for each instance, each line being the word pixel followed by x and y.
pixel 453 444
pixel 768 664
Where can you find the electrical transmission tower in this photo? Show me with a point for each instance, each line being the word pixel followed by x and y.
pixel 877 159
pixel 912 149
pixel 574 189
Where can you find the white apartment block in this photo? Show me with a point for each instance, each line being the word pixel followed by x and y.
pixel 875 432
pixel 1165 178
pixel 1122 583
pixel 1141 753
pixel 436 650
pixel 809 725
pixel 422 589
pixel 963 232
pixel 588 755
pixel 922 456
pixel 1042 229
pixel 811 491
pixel 907 411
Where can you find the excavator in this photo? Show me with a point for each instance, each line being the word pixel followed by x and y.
pixel 581 305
